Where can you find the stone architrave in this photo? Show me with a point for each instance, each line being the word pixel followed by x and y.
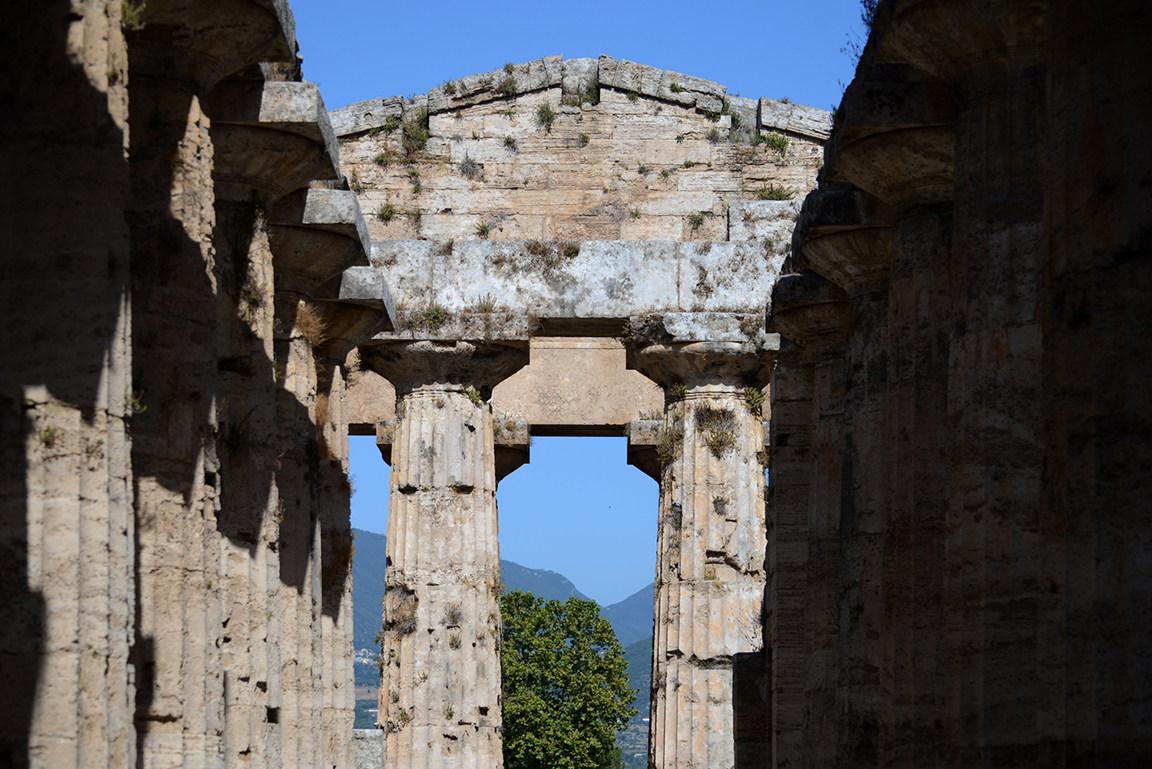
pixel 710 551
pixel 440 692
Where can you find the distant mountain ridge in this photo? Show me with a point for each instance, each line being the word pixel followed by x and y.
pixel 630 618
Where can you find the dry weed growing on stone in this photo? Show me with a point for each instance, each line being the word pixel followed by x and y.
pixel 311 324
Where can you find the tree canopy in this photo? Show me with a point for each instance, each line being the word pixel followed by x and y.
pixel 565 684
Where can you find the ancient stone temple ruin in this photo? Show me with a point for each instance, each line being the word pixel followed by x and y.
pixel 927 316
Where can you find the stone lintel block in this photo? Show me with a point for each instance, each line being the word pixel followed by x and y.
pixel 748 111
pixel 655 83
pixel 809 310
pixel 578 386
pixel 799 119
pixel 585 280
pixel 685 328
pixel 530 76
pixel 365 115
pixel 274 137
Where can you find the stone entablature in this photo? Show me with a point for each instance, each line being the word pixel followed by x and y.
pixel 629 152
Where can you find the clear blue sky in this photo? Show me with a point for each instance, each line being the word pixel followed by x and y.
pixel 578 508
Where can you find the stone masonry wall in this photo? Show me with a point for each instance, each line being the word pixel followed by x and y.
pixel 631 153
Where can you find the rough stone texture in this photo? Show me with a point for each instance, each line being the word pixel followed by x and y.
pixel 971 529
pixel 577 386
pixel 768 221
pixel 587 282
pixel 368 748
pixel 572 386
pixel 710 552
pixel 955 568
pixel 440 692
pixel 626 158
pixel 798 119
pixel 66 541
pixel 174 541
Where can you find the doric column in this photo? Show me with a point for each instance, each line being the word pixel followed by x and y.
pixel 996 61
pixel 710 549
pixel 802 606
pixel 440 693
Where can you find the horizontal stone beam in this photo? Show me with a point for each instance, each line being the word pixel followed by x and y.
pixel 432 281
pixel 800 119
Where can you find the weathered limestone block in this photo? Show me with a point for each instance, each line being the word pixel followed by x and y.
pixel 577 386
pixel 366 115
pixel 367 749
pixel 440 693
pixel 580 78
pixel 513 80
pixel 615 279
pixel 316 234
pixel 795 119
pixel 649 81
pixel 768 221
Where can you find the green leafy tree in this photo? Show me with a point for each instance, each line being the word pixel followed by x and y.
pixel 565 685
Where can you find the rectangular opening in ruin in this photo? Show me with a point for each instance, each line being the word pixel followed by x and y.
pixel 575 521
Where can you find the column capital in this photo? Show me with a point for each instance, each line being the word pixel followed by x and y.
pixel 950 38
pixel 698 349
pixel 426 364
pixel 811 312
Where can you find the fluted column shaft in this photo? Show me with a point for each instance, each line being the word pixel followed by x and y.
pixel 710 567
pixel 440 689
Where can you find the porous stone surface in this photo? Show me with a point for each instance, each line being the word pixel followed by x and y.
pixel 570 281
pixel 368 748
pixel 631 153
pixel 930 539
pixel 175 544
pixel 440 690
pixel 953 568
pixel 710 552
